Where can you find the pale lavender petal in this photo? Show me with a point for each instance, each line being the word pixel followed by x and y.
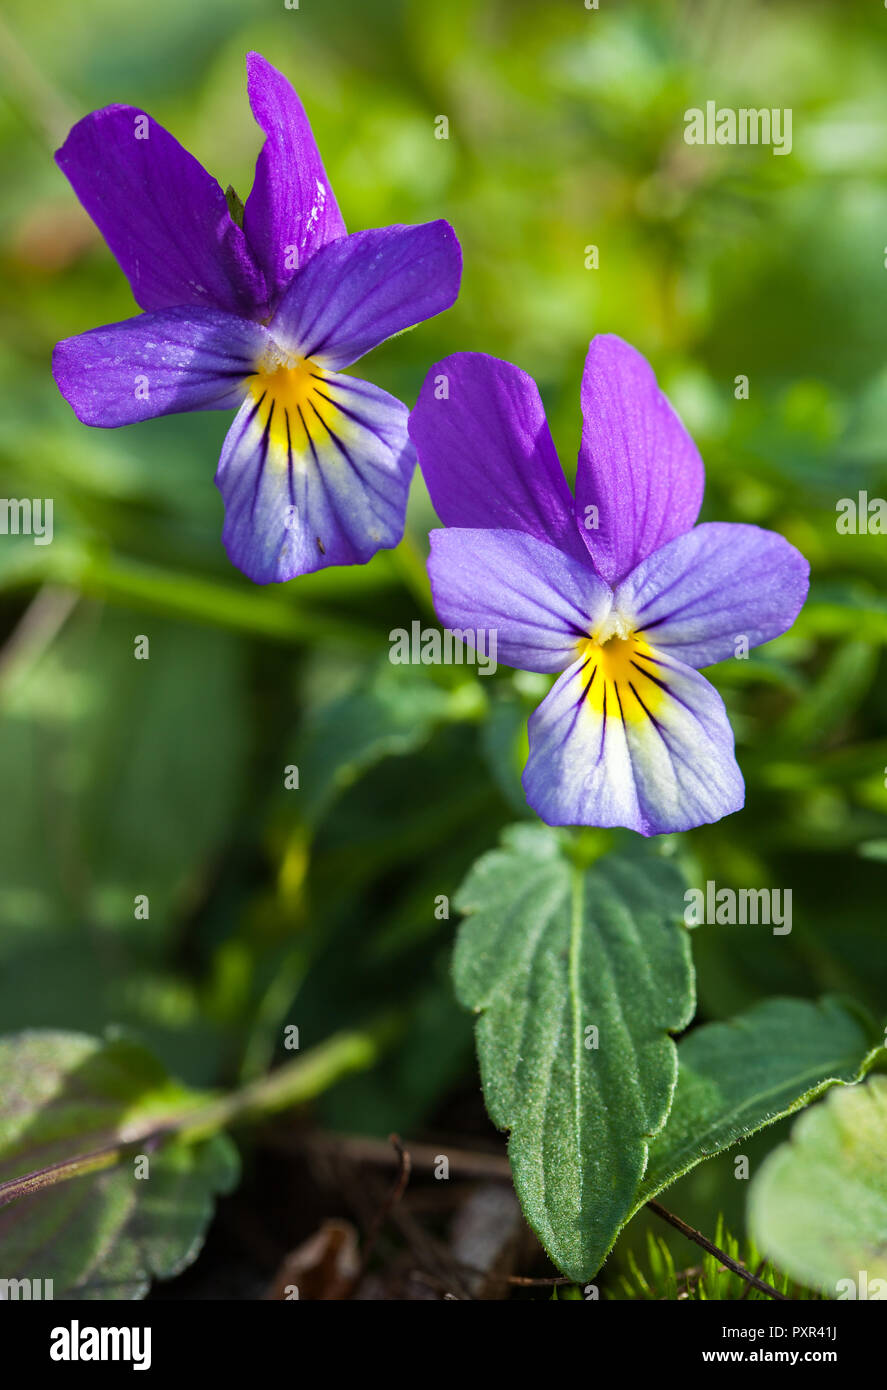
pixel 360 290
pixel 315 471
pixel 486 453
pixel 538 601
pixel 163 216
pixel 651 750
pixel 291 211
pixel 640 478
pixel 158 364
pixel 721 582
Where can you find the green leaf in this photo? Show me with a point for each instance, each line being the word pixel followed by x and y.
pixel 840 689
pixel 127 774
pixel 92 1225
pixel 818 1205
pixel 503 742
pixel 826 615
pixel 393 712
pixel 734 1078
pixel 549 949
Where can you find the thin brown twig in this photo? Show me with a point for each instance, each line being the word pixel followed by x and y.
pixel 390 1202
pixel 366 1199
pixel 463 1163
pixel 492 1165
pixel 525 1282
pixel 762 1265
pixel 699 1239
pixel 546 1281
pixel 429 1249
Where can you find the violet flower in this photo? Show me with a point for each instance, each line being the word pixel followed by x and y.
pixel 617 590
pixel 316 466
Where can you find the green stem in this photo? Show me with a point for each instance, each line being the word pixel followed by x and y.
pixel 30 1183
pixel 292 1084
pixel 100 574
pixel 297 1081
pixel 276 1000
pixel 223 605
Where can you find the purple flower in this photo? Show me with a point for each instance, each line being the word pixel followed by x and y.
pixel 316 466
pixel 618 589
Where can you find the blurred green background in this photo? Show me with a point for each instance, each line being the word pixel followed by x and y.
pixel 166 777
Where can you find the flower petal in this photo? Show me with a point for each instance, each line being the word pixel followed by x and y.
pixel 651 749
pixel 486 453
pixel 158 364
pixel 315 471
pixel 358 291
pixel 539 601
pixel 637 464
pixel 719 582
pixel 163 216
pixel 291 211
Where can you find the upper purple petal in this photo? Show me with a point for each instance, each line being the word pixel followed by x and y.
pixel 638 466
pixel 158 364
pixel 360 290
pixel 538 601
pixel 163 216
pixel 721 581
pixel 486 452
pixel 291 211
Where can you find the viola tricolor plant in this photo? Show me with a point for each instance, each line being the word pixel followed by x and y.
pixel 617 590
pixel 257 306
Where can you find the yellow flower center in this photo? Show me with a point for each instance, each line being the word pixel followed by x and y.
pixel 622 677
pixel 293 402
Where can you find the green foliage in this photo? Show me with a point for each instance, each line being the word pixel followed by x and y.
pixel 705 1280
pixel 818 1206
pixel 579 977
pixel 736 1077
pixel 141 763
pixel 110 1227
pixel 394 711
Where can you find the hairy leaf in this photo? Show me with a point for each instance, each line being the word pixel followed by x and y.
pixel 734 1078
pixel 98 1229
pixel 548 953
